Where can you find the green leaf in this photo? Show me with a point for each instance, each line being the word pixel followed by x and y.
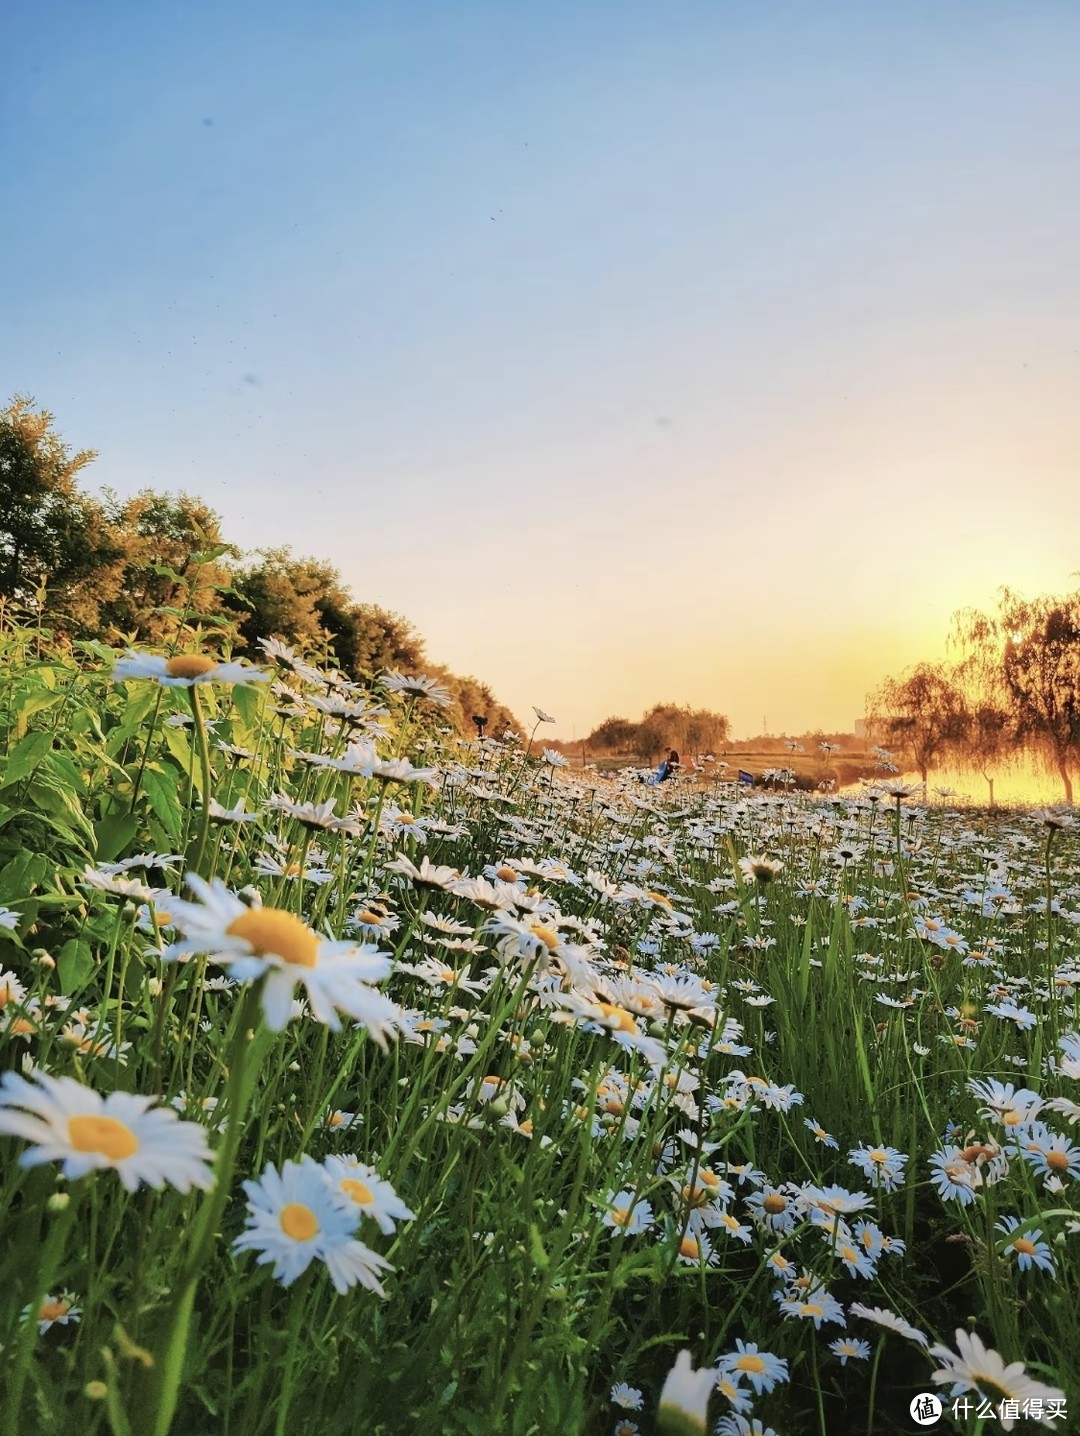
pixel 25 757
pixel 179 746
pixel 161 788
pixel 249 702
pixel 113 834
pixel 31 702
pixel 52 797
pixel 74 965
pixel 19 877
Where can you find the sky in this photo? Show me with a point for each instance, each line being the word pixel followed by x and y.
pixel 710 353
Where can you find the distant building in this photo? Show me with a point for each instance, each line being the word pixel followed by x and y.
pixel 859 727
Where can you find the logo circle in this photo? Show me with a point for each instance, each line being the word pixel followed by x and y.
pixel 925 1409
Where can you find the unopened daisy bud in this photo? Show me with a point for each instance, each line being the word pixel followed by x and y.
pixel 154 987
pixel 657 1029
pixel 684 1400
pixel 95 1391
pixel 537 1037
pixel 58 1202
pixel 294 1066
pixel 499 1108
pixel 44 959
pixel 251 895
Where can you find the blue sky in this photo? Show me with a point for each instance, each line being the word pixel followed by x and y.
pixel 621 347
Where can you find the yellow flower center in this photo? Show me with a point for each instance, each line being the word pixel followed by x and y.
pixel 691 1248
pixel 526 1127
pixel 190 665
pixel 811 1308
pixel 53 1310
pixel 6 994
pixel 546 936
pixel 749 1362
pixel 618 1017
pixel 104 1135
pixel 271 931
pixel 620 1215
pixel 372 919
pixel 1023 1245
pixel 506 875
pixel 298 1222
pixel 879 1156
pixel 359 1191
pixel 774 1204
pixel 1012 1117
pixel 406 819
pixel 22 1028
pixel 1058 1160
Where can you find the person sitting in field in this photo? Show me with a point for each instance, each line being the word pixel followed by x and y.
pixel 668 767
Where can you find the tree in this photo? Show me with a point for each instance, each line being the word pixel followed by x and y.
pixel 924 709
pixel 305 602
pixel 614 735
pixel 1027 657
pixel 689 730
pixel 386 640
pixel 167 549
pixel 276 598
pixel 47 527
pixel 988 740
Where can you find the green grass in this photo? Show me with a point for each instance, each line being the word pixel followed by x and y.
pixel 515 1299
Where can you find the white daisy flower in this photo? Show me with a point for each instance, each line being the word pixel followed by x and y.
pixel 626 1396
pixel 276 944
pixel 74 1125
pixel 184 670
pixel 978 1368
pixel 55 1311
pixel 361 1189
pixel 417 687
pixel 294 1219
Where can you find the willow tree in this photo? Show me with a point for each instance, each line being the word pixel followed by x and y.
pixel 1026 658
pixel 989 741
pixel 924 711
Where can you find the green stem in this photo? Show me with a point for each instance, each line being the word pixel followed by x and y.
pixel 245 1060
pixel 204 765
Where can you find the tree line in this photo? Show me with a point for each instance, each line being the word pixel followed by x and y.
pixel 1010 690
pixel 129 570
pixel 665 726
